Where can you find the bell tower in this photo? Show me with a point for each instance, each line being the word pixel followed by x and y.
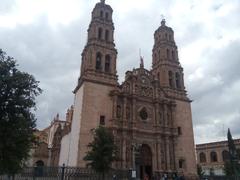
pixel 165 65
pixel 92 104
pixel 99 55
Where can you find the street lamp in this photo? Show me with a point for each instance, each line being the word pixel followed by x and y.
pixel 135 148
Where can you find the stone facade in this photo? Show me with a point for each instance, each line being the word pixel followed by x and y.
pixel 47 149
pixel 212 156
pixel 149 113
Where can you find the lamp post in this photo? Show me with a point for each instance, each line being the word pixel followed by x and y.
pixel 135 148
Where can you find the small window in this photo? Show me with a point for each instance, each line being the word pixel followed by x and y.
pixel 106 35
pixel 100 33
pixel 98 61
pixel 106 16
pixel 202 157
pixel 170 76
pixel 225 155
pixel 181 163
pixel 102 120
pixel 101 14
pixel 107 63
pixel 179 130
pixel 177 77
pixel 119 111
pixel 143 114
pixel 213 156
pixel 173 55
pixel 167 53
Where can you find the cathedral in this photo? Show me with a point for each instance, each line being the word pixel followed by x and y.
pixel 149 113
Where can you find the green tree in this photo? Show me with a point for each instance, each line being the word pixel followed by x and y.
pixel 17 121
pixel 102 152
pixel 200 171
pixel 232 167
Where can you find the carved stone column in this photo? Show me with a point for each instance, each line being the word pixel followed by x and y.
pixel 165 116
pixel 158 150
pixel 173 115
pixel 124 147
pixel 167 152
pixel 124 111
pixel 156 113
pixel 114 106
pixel 134 120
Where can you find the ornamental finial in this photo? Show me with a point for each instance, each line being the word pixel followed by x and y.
pixel 163 22
pixel 103 1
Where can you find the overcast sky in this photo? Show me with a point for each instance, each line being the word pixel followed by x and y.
pixel 47 38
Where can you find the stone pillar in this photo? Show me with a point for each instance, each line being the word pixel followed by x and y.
pixel 124 112
pixel 165 117
pixel 156 113
pixel 124 146
pixel 134 120
pixel 154 156
pixel 167 153
pixel 114 106
pixel 173 115
pixel 159 167
pixel 124 108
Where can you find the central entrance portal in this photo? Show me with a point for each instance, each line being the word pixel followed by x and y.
pixel 144 162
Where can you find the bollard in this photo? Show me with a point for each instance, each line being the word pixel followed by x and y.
pixel 62 174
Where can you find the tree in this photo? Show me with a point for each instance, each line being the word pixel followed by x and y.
pixel 200 171
pixel 102 152
pixel 232 167
pixel 17 121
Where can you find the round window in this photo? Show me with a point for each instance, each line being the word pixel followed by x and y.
pixel 143 114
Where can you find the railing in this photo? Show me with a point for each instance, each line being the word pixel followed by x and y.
pixel 66 173
pixel 220 178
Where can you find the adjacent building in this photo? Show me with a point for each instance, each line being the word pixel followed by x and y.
pixel 212 156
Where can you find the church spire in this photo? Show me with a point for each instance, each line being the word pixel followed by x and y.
pixel 165 63
pixel 99 55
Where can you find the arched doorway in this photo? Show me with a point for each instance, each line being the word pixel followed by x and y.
pixel 144 161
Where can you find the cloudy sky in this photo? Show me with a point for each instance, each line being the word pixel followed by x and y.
pixel 47 38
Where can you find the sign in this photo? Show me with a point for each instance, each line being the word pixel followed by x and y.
pixel 134 174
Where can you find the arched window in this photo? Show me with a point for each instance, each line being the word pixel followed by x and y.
pixel 100 33
pixel 225 155
pixel 98 61
pixel 119 111
pixel 158 76
pixel 107 63
pixel 155 57
pixel 213 156
pixel 166 36
pixel 173 55
pixel 170 76
pixel 159 54
pixel 202 157
pixel 178 81
pixel 39 163
pixel 106 16
pixel 101 14
pixel 106 35
pixel 167 53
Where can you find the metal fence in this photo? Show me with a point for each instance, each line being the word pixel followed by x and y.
pixel 67 173
pixel 220 178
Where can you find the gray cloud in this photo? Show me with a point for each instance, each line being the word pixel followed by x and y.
pixel 207 35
